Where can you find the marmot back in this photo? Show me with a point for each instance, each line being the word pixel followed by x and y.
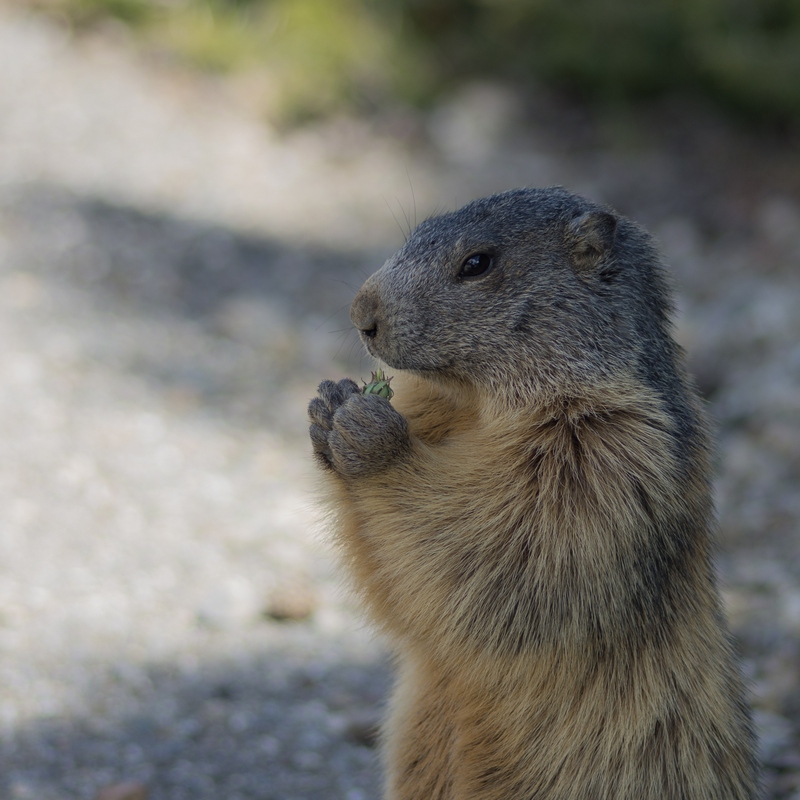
pixel 530 517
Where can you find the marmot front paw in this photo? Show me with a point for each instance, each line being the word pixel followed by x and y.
pixel 353 433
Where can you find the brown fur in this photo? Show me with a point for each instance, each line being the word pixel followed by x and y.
pixel 530 523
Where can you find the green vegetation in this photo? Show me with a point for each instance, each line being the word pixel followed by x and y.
pixel 328 54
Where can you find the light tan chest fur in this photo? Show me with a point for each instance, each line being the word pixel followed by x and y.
pixel 544 576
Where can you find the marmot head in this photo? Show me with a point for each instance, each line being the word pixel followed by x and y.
pixel 535 289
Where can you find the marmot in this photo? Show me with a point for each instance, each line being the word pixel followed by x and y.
pixel 530 518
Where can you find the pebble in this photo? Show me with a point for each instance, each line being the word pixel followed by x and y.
pixel 123 791
pixel 291 601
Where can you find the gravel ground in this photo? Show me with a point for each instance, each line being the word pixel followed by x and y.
pixel 174 278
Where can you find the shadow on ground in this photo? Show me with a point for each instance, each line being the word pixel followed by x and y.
pixel 272 727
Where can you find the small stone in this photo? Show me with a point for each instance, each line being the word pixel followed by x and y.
pixel 130 790
pixel 292 601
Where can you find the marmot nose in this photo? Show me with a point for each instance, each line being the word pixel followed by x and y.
pixel 364 313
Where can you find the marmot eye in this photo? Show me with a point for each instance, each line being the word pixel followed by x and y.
pixel 476 265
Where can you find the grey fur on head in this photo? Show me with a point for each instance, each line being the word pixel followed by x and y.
pixel 572 289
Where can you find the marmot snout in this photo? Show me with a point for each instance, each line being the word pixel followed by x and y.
pixel 364 312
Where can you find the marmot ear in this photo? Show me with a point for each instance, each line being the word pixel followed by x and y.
pixel 590 236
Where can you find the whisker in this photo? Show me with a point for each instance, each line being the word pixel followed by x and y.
pixel 331 316
pixel 397 221
pixel 343 337
pixel 413 196
pixel 405 217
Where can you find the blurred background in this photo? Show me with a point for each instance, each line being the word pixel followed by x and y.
pixel 191 191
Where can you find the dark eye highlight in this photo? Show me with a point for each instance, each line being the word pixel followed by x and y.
pixel 476 266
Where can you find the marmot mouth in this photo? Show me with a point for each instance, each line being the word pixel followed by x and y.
pixel 407 361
